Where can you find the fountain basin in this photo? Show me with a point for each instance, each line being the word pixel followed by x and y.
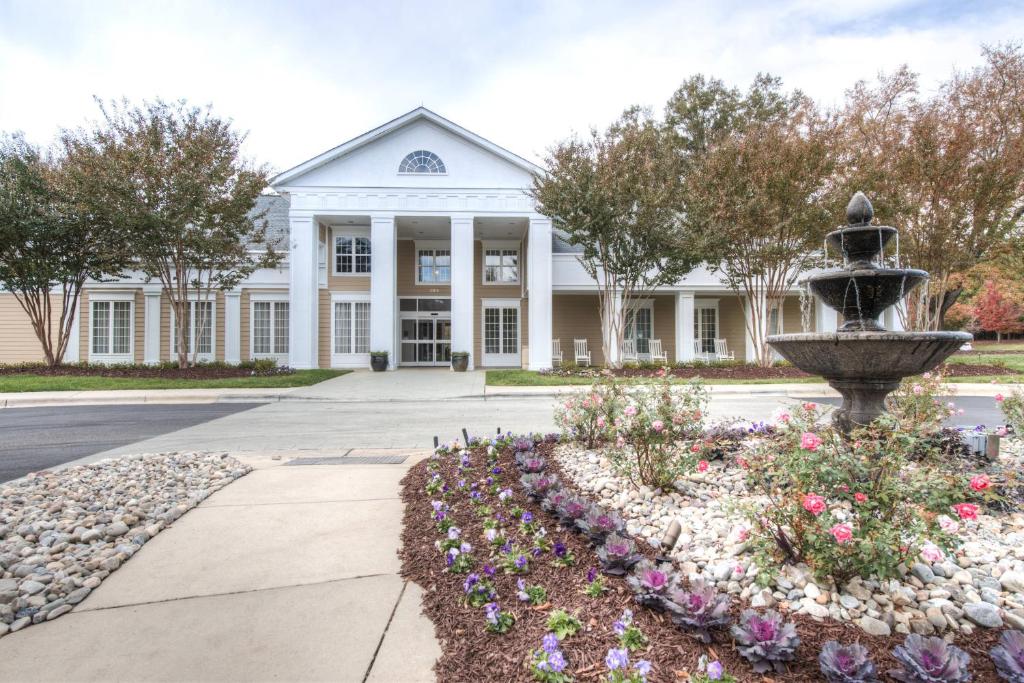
pixel 861 295
pixel 866 366
pixel 862 243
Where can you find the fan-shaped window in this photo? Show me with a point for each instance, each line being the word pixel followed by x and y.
pixel 422 161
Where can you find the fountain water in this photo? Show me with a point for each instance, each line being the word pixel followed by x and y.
pixel 861 360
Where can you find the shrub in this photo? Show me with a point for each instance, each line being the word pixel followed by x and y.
pixel 589 417
pixel 660 423
pixel 1013 409
pixel 765 641
pixel 930 660
pixel 915 405
pixel 848 508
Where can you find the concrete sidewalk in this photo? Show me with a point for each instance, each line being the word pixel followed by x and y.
pixel 290 573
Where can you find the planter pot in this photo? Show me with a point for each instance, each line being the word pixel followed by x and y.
pixel 379 363
pixel 460 363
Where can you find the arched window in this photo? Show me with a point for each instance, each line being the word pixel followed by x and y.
pixel 422 161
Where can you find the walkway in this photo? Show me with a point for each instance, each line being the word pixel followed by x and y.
pixel 290 573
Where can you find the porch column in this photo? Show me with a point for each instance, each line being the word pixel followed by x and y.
pixel 825 319
pixel 463 279
pixel 538 275
pixel 233 327
pixel 383 292
pixel 684 327
pixel 303 292
pixel 151 328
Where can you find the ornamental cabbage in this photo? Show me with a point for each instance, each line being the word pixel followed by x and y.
pixel 530 463
pixel 700 609
pixel 569 510
pixel 597 524
pixel 651 584
pixel 1008 656
pixel 765 640
pixel 846 663
pixel 538 485
pixel 618 555
pixel 930 660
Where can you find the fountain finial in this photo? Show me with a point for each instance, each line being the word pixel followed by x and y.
pixel 859 211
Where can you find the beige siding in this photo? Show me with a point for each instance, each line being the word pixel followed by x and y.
pixel 792 318
pixel 83 325
pixel 18 341
pixel 243 323
pixel 665 324
pixel 731 325
pixel 343 283
pixel 577 316
pixel 140 327
pixel 165 328
pixel 324 325
pixel 482 291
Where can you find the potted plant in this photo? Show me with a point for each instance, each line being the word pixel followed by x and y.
pixel 379 360
pixel 460 361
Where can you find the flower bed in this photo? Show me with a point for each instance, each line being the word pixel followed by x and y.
pixel 504 638
pixel 741 371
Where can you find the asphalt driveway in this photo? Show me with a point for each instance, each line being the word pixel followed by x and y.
pixel 33 439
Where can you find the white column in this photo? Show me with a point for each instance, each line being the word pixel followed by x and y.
pixel 538 273
pixel 73 349
pixel 825 319
pixel 464 276
pixel 383 292
pixel 684 326
pixel 233 327
pixel 304 292
pixel 151 328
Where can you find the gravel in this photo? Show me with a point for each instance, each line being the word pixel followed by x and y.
pixel 62 533
pixel 981 585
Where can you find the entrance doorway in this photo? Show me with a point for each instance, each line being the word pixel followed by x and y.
pixel 501 321
pixel 426 332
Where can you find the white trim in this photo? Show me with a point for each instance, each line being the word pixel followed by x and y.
pixel 685 307
pixel 271 298
pixel 112 298
pixel 233 327
pixel 352 360
pixel 151 328
pixel 706 304
pixel 502 245
pixel 200 357
pixel 506 360
pixel 432 246
pixel 403 120
pixel 352 232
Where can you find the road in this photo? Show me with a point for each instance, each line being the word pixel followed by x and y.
pixel 33 439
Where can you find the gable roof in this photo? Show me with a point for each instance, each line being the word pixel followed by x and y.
pixel 419 113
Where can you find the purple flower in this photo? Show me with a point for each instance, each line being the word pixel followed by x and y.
pixel 556 661
pixel 440 516
pixel 507 547
pixel 461 483
pixel 591 574
pixel 617 659
pixel 465 548
pixel 536 552
pixel 489 570
pixel 496 470
pixel 437 505
pixel 475 495
pixel 527 517
pixel 490 480
pixel 454 533
pixel 521 593
pixel 491 612
pixel 445 488
pixel 715 670
pixel 470 581
pixel 643 667
pixel 620 626
pixel 550 643
pixel 521 562
pixel 560 549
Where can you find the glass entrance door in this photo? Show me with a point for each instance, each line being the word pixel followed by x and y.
pixel 501 334
pixel 426 341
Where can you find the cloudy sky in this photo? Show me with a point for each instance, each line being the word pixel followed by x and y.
pixel 304 75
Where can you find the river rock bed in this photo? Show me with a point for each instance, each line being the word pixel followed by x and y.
pixel 981 586
pixel 63 532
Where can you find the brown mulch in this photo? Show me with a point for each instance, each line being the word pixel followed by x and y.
pixel 139 371
pixel 469 653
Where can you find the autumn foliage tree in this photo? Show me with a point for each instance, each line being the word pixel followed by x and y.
pixel 996 312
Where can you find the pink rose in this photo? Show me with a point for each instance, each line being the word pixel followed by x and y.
pixel 859 497
pixel 810 441
pixel 702 466
pixel 948 524
pixel 842 532
pixel 695 448
pixel 918 390
pixel 927 375
pixel 966 510
pixel 932 553
pixel 980 482
pixel 1002 431
pixel 630 411
pixel 742 462
pixel 1000 398
pixel 657 425
pixel 600 422
pixel 814 504
pixel 743 534
pixel 620 442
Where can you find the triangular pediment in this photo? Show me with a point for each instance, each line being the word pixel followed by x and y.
pixel 374 159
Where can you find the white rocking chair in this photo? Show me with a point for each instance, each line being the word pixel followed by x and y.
pixel 582 351
pixel 556 352
pixel 658 354
pixel 629 351
pixel 699 354
pixel 722 351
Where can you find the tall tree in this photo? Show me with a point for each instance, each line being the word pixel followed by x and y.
pixel 996 312
pixel 948 170
pixel 616 195
pixel 50 242
pixel 756 172
pixel 173 175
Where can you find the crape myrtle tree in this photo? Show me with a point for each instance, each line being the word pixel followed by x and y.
pixel 50 242
pixel 173 176
pixel 616 194
pixel 995 311
pixel 947 169
pixel 756 169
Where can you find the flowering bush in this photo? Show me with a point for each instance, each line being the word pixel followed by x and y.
pixel 1013 409
pixel 549 663
pixel 853 506
pixel 589 417
pixel 916 406
pixel 660 427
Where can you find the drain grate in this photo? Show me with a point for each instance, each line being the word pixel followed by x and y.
pixel 351 460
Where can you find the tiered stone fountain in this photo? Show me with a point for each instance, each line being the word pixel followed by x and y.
pixel 861 360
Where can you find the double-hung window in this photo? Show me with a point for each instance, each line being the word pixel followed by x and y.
pixel 351 327
pixel 269 328
pixel 351 255
pixel 433 266
pixel 110 326
pixel 501 265
pixel 199 329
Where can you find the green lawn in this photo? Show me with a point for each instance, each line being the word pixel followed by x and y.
pixel 530 378
pixel 1013 361
pixel 27 382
